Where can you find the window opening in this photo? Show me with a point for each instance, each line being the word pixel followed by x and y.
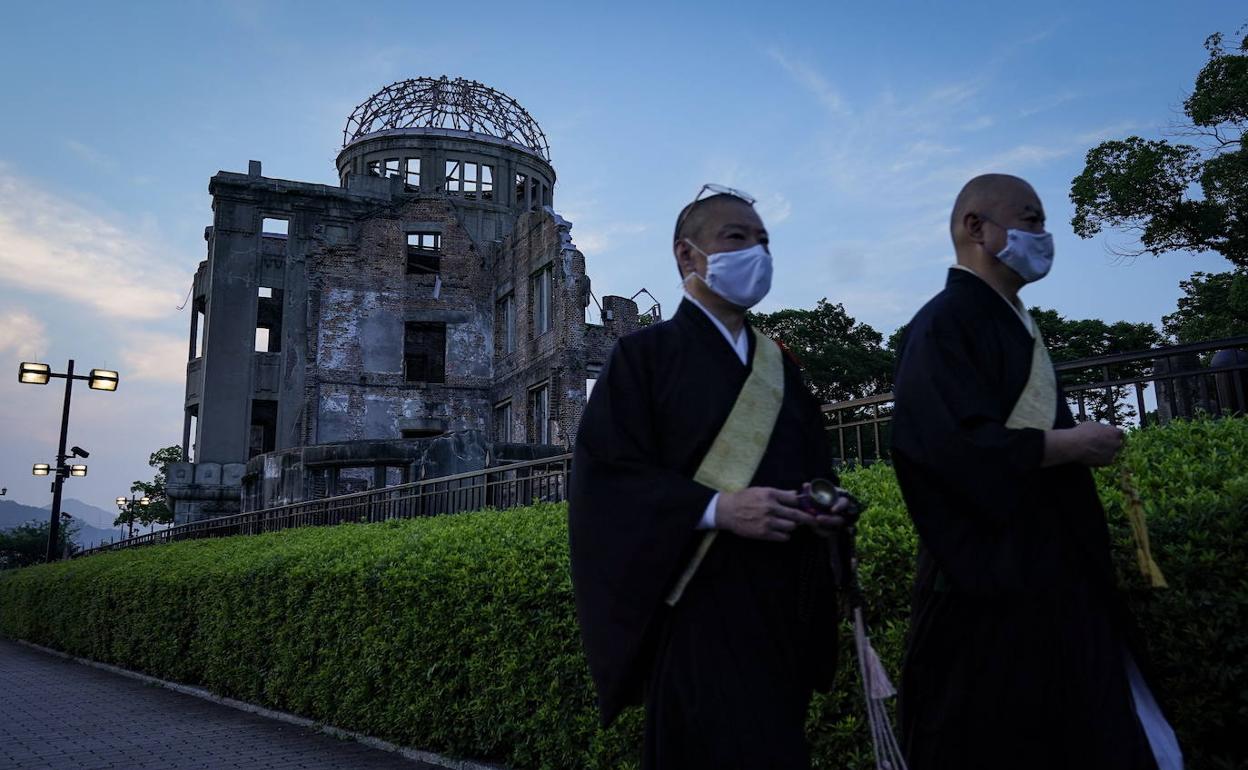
pixel 507 323
pixel 502 423
pixel 424 253
pixel 424 352
pixel 263 434
pixel 541 300
pixel 275 226
pixel 268 320
pixel 487 183
pixel 522 185
pixel 539 408
pixel 392 167
pixel 591 378
pixel 413 174
pixel 467 178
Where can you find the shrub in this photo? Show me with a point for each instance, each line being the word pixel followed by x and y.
pixel 457 634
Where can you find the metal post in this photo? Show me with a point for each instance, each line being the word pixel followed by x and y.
pixel 54 528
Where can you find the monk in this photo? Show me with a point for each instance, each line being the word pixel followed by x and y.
pixel 1019 653
pixel 724 643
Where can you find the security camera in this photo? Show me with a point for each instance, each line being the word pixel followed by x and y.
pixel 79 452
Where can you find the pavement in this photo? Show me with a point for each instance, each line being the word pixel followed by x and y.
pixel 56 713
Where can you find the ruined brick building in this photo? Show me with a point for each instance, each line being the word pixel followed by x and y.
pixel 425 317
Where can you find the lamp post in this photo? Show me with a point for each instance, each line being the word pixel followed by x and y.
pixel 127 504
pixel 39 374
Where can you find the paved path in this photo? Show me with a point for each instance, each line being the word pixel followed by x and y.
pixel 55 713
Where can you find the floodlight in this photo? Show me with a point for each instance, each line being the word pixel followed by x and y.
pixel 121 502
pixel 77 470
pixel 145 501
pixel 34 374
pixel 103 379
pixel 41 469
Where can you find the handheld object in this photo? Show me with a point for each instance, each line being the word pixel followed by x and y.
pixel 823 495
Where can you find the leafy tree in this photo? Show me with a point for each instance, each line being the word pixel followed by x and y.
pixel 158 510
pixel 1213 306
pixel 842 357
pixel 27 543
pixel 1071 339
pixel 1146 186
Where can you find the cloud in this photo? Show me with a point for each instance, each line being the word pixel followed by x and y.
pixel 154 356
pixel 91 155
pixel 774 208
pixel 812 80
pixel 59 248
pixel 1046 103
pixel 22 334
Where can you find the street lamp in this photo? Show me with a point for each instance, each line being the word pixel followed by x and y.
pixel 127 504
pixel 41 469
pixel 33 373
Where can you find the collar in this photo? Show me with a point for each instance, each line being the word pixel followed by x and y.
pixel 740 344
pixel 1019 309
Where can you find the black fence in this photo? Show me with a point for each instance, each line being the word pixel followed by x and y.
pixel 505 486
pixel 1206 377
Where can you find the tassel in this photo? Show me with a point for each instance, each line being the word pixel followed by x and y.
pixel 1139 531
pixel 876 688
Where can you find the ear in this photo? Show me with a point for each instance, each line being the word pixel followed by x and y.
pixel 684 257
pixel 973 224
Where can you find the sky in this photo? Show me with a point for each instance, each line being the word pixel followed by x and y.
pixel 854 124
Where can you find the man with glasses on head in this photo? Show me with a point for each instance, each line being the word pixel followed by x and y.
pixel 703 587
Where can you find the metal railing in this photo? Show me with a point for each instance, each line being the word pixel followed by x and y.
pixel 1093 386
pixel 504 486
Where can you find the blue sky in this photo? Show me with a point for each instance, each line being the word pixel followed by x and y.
pixel 854 124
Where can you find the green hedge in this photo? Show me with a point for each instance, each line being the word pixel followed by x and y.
pixel 456 634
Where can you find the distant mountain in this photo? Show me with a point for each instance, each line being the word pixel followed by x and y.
pixel 13 514
pixel 86 513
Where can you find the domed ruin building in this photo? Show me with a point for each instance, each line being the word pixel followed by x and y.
pixel 424 318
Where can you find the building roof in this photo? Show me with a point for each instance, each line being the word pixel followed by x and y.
pixel 442 103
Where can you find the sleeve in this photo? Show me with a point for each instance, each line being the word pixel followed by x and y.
pixel 632 524
pixel 951 410
pixel 708 516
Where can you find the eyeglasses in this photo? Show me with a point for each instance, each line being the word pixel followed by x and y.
pixel 714 189
pixel 719 189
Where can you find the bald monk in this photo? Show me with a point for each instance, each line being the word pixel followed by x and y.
pixel 1018 654
pixel 725 655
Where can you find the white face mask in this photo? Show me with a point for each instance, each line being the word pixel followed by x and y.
pixel 741 277
pixel 1028 254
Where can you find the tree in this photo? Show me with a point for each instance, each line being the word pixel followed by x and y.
pixel 1070 340
pixel 1145 186
pixel 842 358
pixel 1213 306
pixel 27 543
pixel 158 510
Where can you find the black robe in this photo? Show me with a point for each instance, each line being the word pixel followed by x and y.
pixel 728 672
pixel 1015 656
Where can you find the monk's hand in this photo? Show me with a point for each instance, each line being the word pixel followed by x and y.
pixel 830 522
pixel 1098 443
pixel 761 513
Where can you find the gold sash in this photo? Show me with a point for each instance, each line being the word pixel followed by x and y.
pixel 1037 405
pixel 738 449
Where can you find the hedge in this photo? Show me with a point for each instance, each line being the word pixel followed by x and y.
pixel 457 634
